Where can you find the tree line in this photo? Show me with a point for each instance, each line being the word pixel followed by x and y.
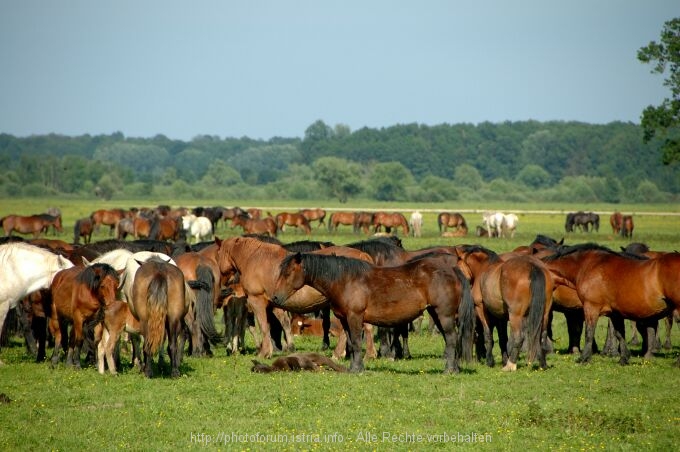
pixel 511 161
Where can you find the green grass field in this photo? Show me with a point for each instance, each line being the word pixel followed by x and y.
pixel 219 404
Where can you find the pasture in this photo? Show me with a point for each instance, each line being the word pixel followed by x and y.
pixel 396 405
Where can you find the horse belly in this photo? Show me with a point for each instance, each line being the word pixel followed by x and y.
pixel 305 300
pixel 395 307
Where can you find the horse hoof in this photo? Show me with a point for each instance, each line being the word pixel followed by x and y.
pixel 510 367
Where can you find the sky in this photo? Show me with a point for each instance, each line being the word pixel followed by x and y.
pixel 265 69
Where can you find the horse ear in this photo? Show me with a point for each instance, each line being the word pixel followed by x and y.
pixel 218 241
pixel 86 262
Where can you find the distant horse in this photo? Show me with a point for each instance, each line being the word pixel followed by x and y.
pixel 25 268
pixel 616 222
pixel 416 223
pixel 254 213
pixel 125 227
pixel 109 218
pixel 338 218
pixel 55 212
pixel 518 290
pixel 32 224
pixel 200 228
pixel 314 215
pixel 79 296
pixel 390 220
pixel 296 220
pixel 386 296
pixel 451 220
pixel 627 226
pixel 509 225
pixel 142 227
pixel 585 221
pixel 160 302
pixel 619 286
pixel 83 228
pixel 165 228
pixel 362 222
pixel 256 226
pixel 231 213
pixel 493 221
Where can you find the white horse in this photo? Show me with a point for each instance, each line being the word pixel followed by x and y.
pixel 509 225
pixel 493 221
pixel 416 223
pixel 25 268
pixel 198 227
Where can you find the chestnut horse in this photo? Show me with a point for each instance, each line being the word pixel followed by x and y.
pixel 314 215
pixel 451 220
pixel 80 295
pixel 390 220
pixel 160 301
pixel 386 296
pixel 297 220
pixel 255 226
pixel 32 224
pixel 616 222
pixel 619 286
pixel 109 218
pixel 627 226
pixel 84 227
pixel 338 218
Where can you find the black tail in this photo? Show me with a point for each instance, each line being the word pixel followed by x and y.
pixel 466 318
pixel 204 304
pixel 535 319
pixel 76 232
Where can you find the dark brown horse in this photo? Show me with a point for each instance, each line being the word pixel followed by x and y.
pixel 314 215
pixel 386 296
pixel 166 228
pixel 451 220
pixel 84 227
pixel 79 295
pixel 619 286
pixel 31 224
pixel 338 218
pixel 627 226
pixel 255 226
pixel 389 221
pixel 109 217
pixel 518 290
pixel 616 222
pixel 160 301
pixel 296 220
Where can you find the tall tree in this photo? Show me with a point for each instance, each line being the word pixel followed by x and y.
pixel 665 118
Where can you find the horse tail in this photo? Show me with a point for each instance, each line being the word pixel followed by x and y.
pixel 76 232
pixel 466 318
pixel 157 302
pixel 204 305
pixel 537 286
pixel 439 222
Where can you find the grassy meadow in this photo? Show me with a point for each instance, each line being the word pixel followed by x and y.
pixel 219 404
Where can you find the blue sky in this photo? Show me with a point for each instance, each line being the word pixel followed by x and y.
pixel 271 68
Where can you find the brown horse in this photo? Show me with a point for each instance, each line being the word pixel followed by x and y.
pixel 32 224
pixel 627 226
pixel 141 227
pixel 296 220
pixel 117 319
pixel 84 227
pixel 166 228
pixel 517 289
pixel 338 218
pixel 451 220
pixel 389 221
pixel 79 296
pixel 109 218
pixel 616 222
pixel 160 301
pixel 386 296
pixel 255 226
pixel 314 215
pixel 362 222
pixel 620 287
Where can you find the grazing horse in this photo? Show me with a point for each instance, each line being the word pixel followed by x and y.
pixel 509 225
pixel 80 295
pixel 26 268
pixel 585 221
pixel 160 302
pixel 83 228
pixel 200 228
pixel 165 228
pixel 618 286
pixel 32 224
pixel 297 220
pixel 451 220
pixel 389 221
pixel 338 218
pixel 109 218
pixel 493 221
pixel 386 296
pixel 518 290
pixel 362 222
pixel 255 226
pixel 416 223
pixel 314 215
pixel 616 222
pixel 627 226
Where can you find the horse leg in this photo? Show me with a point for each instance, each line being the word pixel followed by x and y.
pixel 591 316
pixel 574 329
pixel 385 343
pixel 635 340
pixel 259 308
pixel 669 325
pixel 56 330
pixel 39 326
pixel 446 325
pixel 610 349
pixel 284 319
pixel 175 352
pixel 502 329
pixel 354 325
pixel 403 329
pixel 514 344
pixel 620 332
pixel 371 352
pixel 326 326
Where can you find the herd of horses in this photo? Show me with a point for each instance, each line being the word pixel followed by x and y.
pixel 590 221
pixel 169 290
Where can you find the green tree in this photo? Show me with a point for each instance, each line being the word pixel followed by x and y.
pixel 389 181
pixel 339 177
pixel 665 118
pixel 467 176
pixel 533 176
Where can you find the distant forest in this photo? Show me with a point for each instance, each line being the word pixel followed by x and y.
pixel 510 161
